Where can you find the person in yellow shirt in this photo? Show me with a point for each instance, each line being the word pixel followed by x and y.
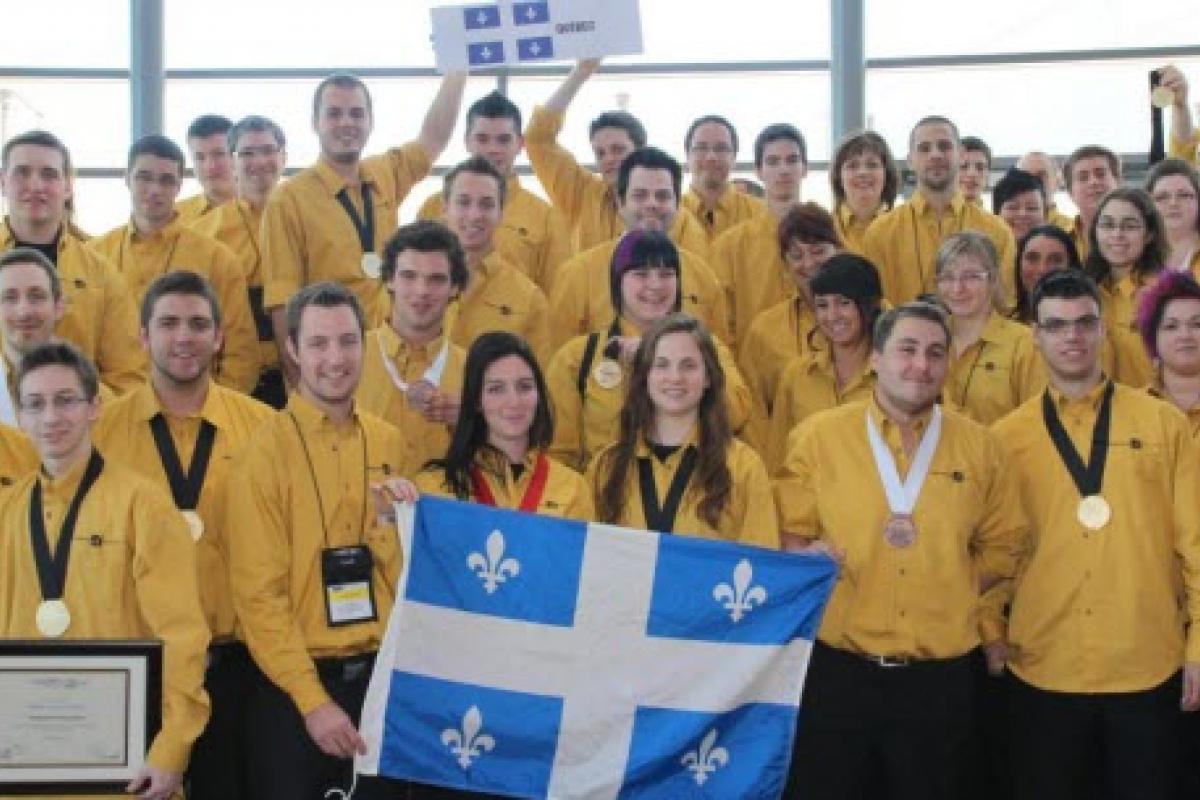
pixel 903 243
pixel 1169 324
pixel 313 559
pixel 498 296
pixel 208 144
pixel 865 181
pixel 974 169
pixel 182 431
pixel 1019 199
pixel 498 454
pixel 259 155
pixel 747 258
pixel 155 241
pixel 590 203
pixel 18 457
pixel 1175 188
pixel 1090 173
pixel 588 376
pixel 846 301
pixel 675 466
pixel 412 372
pixel 808 238
pixel 711 144
pixel 328 222
pixel 917 504
pixel 1185 138
pixel 1096 637
pixel 119 565
pixel 532 236
pixel 648 185
pixel 1044 167
pixel 993 364
pixel 100 315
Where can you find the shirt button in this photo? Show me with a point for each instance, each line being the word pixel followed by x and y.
pixel 902 613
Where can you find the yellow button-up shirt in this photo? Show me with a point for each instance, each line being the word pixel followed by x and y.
pixel 776 336
pixel 532 236
pixel 852 230
pixel 140 258
pixel 18 457
pixel 194 208
pixel 749 266
pixel 131 575
pixel 303 489
pixel 1104 611
pixel 1119 309
pixel 923 600
pixel 903 244
pixel 1155 389
pixel 997 373
pixel 101 318
pixel 123 434
pixel 378 393
pixel 499 297
pixel 733 207
pixel 308 237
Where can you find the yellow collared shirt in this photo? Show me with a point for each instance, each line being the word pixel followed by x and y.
pixel 308 237
pixel 1104 611
pixel 123 435
pixel 903 244
pixel 923 600
pixel 500 298
pixel 141 258
pixel 749 266
pixel 101 317
pixel 303 489
pixel 18 457
pixel 852 230
pixel 1131 362
pixel 733 207
pixel 1155 389
pixel 776 336
pixel 194 208
pixel 997 373
pixel 131 575
pixel 378 393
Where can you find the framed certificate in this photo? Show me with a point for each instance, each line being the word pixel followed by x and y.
pixel 76 717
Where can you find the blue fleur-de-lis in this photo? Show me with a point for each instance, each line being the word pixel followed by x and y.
pixel 491 566
pixel 705 759
pixel 469 743
pixel 741 597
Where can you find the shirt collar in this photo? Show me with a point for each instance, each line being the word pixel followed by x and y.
pixel 691 440
pixel 395 347
pixel 63 487
pixel 496 463
pixel 333 182
pixel 167 231
pixel 145 405
pixel 886 425
pixel 921 205
pixel 1092 399
pixel 308 416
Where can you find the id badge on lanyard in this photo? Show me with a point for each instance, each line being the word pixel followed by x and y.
pixel 346 578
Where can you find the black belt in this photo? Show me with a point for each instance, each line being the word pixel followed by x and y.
pixel 346 669
pixel 890 661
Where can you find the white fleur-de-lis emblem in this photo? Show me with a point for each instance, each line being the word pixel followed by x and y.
pixel 493 568
pixel 741 597
pixel 468 744
pixel 706 758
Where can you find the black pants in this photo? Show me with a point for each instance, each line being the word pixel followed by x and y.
pixel 218 767
pixel 992 770
pixel 1064 744
pixel 908 731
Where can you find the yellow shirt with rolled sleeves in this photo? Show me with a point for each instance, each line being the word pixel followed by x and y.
pixel 997 373
pixel 302 489
pixel 851 229
pixel 749 266
pixel 1155 389
pixel 378 393
pixel 1185 148
pixel 733 208
pixel 582 297
pixel 101 317
pixel 809 385
pixel 585 424
pixel 18 457
pixel 308 237
pixel 903 244
pixel 921 601
pixel 141 258
pixel 531 236
pixel 776 336
pixel 194 208
pixel 499 297
pixel 748 516
pixel 1104 611
pixel 237 225
pixel 123 435
pixel 566 493
pixel 131 575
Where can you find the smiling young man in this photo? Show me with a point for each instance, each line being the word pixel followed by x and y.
pixel 208 144
pixel 1090 173
pixel 711 144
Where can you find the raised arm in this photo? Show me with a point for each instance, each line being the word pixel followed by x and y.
pixel 1181 116
pixel 443 114
pixel 567 90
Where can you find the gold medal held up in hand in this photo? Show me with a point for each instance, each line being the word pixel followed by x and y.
pixel 194 523
pixel 607 374
pixel 1162 97
pixel 1093 512
pixel 900 531
pixel 52 618
pixel 372 265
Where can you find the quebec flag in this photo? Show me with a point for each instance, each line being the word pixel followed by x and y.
pixel 537 657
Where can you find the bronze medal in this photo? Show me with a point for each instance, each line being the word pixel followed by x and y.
pixel 420 392
pixel 899 531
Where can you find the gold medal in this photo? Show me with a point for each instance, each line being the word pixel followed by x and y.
pixel 372 265
pixel 607 373
pixel 52 618
pixel 1162 97
pixel 1093 512
pixel 900 530
pixel 195 524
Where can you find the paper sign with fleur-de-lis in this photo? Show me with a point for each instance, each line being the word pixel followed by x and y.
pixel 470 742
pixel 706 758
pixel 740 598
pixel 491 566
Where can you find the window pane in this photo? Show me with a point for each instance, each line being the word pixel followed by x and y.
pixel 750 30
pixel 72 110
pixel 67 33
pixel 102 204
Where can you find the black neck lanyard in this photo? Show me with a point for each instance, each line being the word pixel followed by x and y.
pixel 1088 479
pixel 662 518
pixel 185 488
pixel 312 473
pixel 966 389
pixel 52 570
pixel 612 348
pixel 364 227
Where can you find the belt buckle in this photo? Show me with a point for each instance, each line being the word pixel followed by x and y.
pixel 892 662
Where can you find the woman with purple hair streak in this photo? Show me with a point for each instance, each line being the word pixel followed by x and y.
pixel 1169 322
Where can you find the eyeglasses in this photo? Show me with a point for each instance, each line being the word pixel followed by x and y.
pixel 1124 226
pixel 264 151
pixel 1056 326
pixel 1178 197
pixel 971 278
pixel 36 406
pixel 716 149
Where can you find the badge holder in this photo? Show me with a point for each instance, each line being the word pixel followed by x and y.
pixel 346 580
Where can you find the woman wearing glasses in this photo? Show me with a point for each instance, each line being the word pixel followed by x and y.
pixel 1175 188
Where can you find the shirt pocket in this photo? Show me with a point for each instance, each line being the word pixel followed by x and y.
pixel 100 563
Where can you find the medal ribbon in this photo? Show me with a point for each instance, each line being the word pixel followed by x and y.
pixel 662 518
pixel 902 497
pixel 365 228
pixel 533 493
pixel 1088 479
pixel 433 374
pixel 185 488
pixel 52 570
